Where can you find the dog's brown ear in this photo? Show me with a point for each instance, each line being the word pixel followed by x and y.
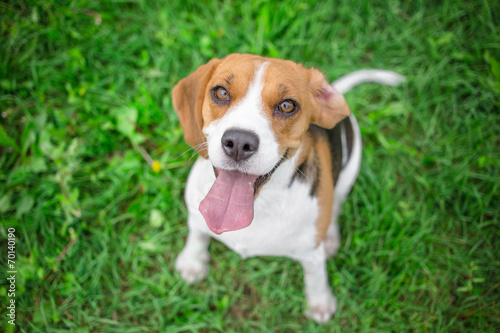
pixel 329 105
pixel 188 96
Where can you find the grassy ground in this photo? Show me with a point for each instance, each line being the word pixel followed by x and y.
pixel 98 228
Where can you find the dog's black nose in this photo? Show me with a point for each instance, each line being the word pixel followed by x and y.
pixel 239 144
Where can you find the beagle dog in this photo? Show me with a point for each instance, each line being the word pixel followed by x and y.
pixel 279 152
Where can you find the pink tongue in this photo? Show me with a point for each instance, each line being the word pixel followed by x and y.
pixel 229 203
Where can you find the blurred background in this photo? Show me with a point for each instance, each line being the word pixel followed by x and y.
pixel 93 165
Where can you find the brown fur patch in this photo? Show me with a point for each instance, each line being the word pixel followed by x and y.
pixel 314 166
pixel 188 96
pixel 235 74
pixel 331 106
pixel 285 80
pixel 325 190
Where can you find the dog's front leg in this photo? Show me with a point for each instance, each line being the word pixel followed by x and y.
pixel 321 304
pixel 192 261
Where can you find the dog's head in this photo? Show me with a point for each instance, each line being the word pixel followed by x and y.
pixel 247 114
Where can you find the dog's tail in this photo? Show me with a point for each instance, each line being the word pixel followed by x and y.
pixel 347 82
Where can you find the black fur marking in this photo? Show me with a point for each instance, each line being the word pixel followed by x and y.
pixel 349 136
pixel 316 173
pixel 335 144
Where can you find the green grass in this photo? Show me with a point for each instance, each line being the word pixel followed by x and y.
pixel 421 236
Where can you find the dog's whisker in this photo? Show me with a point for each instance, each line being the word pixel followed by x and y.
pixel 195 152
pixel 192 148
pixel 193 155
pixel 184 152
pixel 303 174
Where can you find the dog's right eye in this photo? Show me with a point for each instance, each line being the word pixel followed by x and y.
pixel 220 94
pixel 286 108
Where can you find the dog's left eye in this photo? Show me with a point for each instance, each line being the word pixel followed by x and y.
pixel 222 94
pixel 287 106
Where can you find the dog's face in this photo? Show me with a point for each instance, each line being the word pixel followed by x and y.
pixel 247 114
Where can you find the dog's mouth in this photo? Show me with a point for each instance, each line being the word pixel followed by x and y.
pixel 228 205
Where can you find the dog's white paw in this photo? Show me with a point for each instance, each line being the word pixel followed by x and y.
pixel 321 310
pixel 192 269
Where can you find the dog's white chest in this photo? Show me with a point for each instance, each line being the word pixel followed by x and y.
pixel 284 216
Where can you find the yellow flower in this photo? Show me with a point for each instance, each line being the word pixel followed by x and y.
pixel 156 166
